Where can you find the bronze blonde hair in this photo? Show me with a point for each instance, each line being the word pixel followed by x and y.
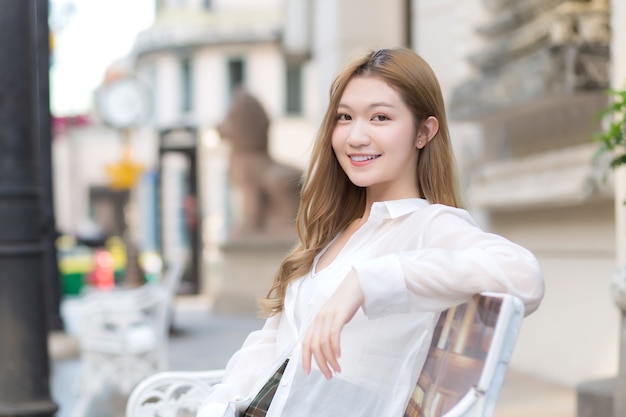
pixel 329 201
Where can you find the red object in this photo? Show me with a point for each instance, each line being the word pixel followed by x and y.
pixel 103 274
pixel 60 124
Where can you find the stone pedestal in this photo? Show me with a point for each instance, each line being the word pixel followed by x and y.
pixel 595 398
pixel 249 267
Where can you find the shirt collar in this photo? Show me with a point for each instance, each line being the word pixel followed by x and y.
pixel 396 208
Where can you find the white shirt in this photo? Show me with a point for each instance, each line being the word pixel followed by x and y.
pixel 413 260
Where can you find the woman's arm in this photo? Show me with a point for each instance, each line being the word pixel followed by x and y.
pixel 457 260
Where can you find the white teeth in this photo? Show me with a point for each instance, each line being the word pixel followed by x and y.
pixel 361 158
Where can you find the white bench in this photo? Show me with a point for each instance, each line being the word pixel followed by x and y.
pixel 462 376
pixel 123 336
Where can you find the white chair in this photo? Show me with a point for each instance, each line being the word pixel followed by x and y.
pixel 462 376
pixel 123 336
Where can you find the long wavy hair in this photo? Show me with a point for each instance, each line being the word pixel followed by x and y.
pixel 329 200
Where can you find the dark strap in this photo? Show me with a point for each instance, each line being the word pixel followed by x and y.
pixel 261 403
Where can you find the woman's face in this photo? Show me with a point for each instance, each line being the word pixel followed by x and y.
pixel 375 139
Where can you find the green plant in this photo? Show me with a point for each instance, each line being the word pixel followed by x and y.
pixel 613 138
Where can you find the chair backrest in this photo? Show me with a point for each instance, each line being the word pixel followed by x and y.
pixel 471 347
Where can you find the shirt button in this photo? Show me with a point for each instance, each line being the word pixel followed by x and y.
pixel 309 303
pixel 283 383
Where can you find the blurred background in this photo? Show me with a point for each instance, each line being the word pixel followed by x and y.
pixel 148 179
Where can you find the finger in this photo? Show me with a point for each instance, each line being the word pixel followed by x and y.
pixel 321 347
pixel 334 348
pixel 308 346
pixel 327 345
pixel 322 363
pixel 335 343
pixel 306 354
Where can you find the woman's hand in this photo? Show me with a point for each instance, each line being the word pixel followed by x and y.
pixel 322 339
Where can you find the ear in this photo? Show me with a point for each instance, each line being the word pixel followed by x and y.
pixel 426 131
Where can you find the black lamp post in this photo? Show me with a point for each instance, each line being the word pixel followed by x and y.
pixel 24 362
pixel 44 123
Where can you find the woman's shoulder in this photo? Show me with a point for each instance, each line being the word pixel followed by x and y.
pixel 437 208
pixel 433 211
pixel 419 208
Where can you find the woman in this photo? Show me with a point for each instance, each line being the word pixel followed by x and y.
pixel 382 250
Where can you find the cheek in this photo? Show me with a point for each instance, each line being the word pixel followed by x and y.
pixel 336 142
pixel 410 136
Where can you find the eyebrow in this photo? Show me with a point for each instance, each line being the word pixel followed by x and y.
pixel 370 106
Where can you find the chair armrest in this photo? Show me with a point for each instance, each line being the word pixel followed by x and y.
pixel 166 393
pixel 504 340
pixel 481 399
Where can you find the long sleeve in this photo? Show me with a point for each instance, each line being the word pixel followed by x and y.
pixel 243 371
pixel 454 260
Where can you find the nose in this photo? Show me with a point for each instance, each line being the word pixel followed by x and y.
pixel 359 134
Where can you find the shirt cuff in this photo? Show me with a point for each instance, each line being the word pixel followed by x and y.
pixel 383 286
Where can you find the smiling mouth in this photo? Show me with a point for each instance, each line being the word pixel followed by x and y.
pixel 363 158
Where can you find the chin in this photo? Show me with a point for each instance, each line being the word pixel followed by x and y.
pixel 360 182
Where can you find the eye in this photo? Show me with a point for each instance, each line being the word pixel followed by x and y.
pixel 380 118
pixel 344 117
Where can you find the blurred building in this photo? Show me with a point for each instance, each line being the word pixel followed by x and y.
pixel 192 59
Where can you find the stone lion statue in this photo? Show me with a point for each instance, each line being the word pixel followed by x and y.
pixel 270 189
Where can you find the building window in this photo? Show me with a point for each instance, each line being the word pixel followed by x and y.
pixel 186 85
pixel 293 89
pixel 236 74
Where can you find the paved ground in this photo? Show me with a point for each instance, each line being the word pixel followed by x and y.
pixel 203 340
